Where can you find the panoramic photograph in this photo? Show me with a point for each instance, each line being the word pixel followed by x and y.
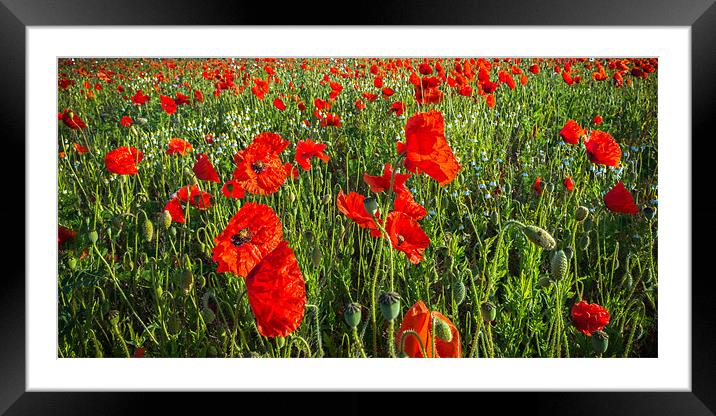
pixel 357 207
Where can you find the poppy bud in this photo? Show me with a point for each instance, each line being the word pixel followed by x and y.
pixel 142 120
pixel 581 213
pixel 569 252
pixel 160 291
pixel 148 230
pixel 442 330
pixel 371 205
pixel 559 265
pixel 389 305
pixel 201 281
pixel 187 280
pixel 600 342
pixel 584 242
pixel 458 291
pixel 280 341
pixel 544 281
pixel 316 256
pixel 549 186
pixel 539 237
pixel 327 199
pixel 93 237
pixel 649 212
pixel 173 232
pixel 208 315
pixel 352 314
pixel 113 316
pixel 292 197
pixel 72 262
pixel 166 219
pixel 488 311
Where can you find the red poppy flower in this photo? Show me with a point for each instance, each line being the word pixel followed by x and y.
pixel 260 88
pixel 138 353
pixel 251 234
pixel 537 186
pixel 176 211
pixel 259 168
pixel 306 149
pixel 195 196
pixel 589 317
pixel 619 200
pixel 534 69
pixel 571 132
pixel 406 204
pixel 123 160
pixel 427 149
pixel 490 100
pixel 231 189
pixel 277 293
pixel 331 120
pixel 198 96
pixel 168 104
pixel 602 148
pixel 420 319
pixel 407 236
pixel 204 170
pixel 126 121
pixel 598 119
pixel 80 149
pixel 568 183
pixel 181 99
pixel 278 103
pixel 360 105
pixel 139 98
pixel 291 170
pixel 398 108
pixel 352 206
pixel 381 183
pixel 64 234
pixel 178 146
pixel 370 97
pixel 387 92
pixel 72 120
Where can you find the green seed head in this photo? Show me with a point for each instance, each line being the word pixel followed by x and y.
pixel 539 237
pixel 581 213
pixel 559 265
pixel 600 342
pixel 569 252
pixel 442 330
pixel 352 314
pixel 488 310
pixel 371 205
pixel 389 305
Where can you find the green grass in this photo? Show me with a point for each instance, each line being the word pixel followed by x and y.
pixel 125 292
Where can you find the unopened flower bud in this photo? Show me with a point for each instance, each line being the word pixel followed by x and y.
pixel 559 265
pixel 539 237
pixel 488 311
pixel 442 330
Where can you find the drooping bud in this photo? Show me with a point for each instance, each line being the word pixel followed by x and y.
pixel 442 330
pixel 187 280
pixel 113 316
pixel 584 242
pixel 458 291
pixel 352 314
pixel 539 237
pixel 389 305
pixel 371 205
pixel 569 252
pixel 581 213
pixel 488 311
pixel 649 212
pixel 559 265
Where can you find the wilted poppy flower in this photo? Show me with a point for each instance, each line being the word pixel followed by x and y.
pixel 306 149
pixel 352 206
pixel 178 146
pixel 568 183
pixel 589 317
pixel 602 148
pixel 126 121
pixel 259 169
pixel 407 236
pixel 123 160
pixel 249 236
pixel 64 234
pixel 72 120
pixel 381 183
pixel 176 211
pixel 204 170
pixel 571 132
pixel 139 98
pixel 620 200
pixel 427 149
pixel 277 292
pixel 420 319
pixel 231 189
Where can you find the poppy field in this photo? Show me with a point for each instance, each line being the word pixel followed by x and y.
pixel 357 207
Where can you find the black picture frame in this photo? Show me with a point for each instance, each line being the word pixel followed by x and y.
pixel 699 15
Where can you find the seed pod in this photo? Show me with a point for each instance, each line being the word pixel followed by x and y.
pixel 72 263
pixel 581 213
pixel 93 236
pixel 649 212
pixel 208 315
pixel 113 316
pixel 544 281
pixel 584 242
pixel 166 219
pixel 458 291
pixel 539 237
pixel 569 252
pixel 389 305
pixel 148 230
pixel 488 311
pixel 371 205
pixel 316 256
pixel 442 330
pixel 600 342
pixel 559 265
pixel 352 314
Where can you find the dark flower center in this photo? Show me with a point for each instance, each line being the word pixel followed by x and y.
pixel 242 237
pixel 258 166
